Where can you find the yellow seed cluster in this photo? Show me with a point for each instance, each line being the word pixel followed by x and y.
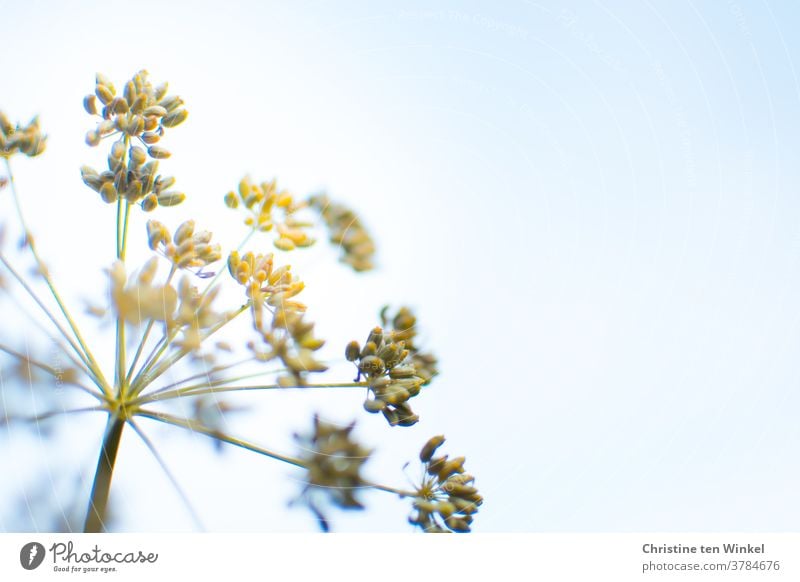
pixel 447 499
pixel 346 231
pixel 268 208
pixel 289 336
pixel 138 118
pixel 334 462
pixel 187 248
pixel 25 139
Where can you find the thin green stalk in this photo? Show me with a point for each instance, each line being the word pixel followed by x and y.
pixel 207 374
pixel 122 243
pixel 181 493
pixel 119 225
pixel 98 503
pixel 78 352
pixel 124 247
pixel 50 370
pixel 400 492
pixel 157 367
pixel 195 426
pixel 145 336
pixel 43 270
pixel 217 382
pixel 190 391
pixel 7 419
pixel 210 383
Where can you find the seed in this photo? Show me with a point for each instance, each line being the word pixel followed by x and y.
pixel 104 94
pixel 285 244
pixel 374 405
pixel 108 192
pixel 158 152
pixel 231 201
pixel 175 118
pixel 184 232
pixel 155 110
pixel 430 447
pixel 92 138
pixel 171 198
pixel 90 104
pixel 351 352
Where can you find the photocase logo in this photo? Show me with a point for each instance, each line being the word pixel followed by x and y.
pixel 31 555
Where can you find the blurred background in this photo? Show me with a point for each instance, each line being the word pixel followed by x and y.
pixel 592 207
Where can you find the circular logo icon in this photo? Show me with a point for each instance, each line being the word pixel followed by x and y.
pixel 31 555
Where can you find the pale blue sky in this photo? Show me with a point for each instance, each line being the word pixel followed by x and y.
pixel 592 205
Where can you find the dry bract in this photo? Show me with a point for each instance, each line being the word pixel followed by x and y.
pixel 334 462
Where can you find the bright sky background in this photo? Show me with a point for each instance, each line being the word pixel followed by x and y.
pixel 592 206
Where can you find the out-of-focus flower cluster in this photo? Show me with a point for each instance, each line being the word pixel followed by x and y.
pixel 268 208
pixel 140 114
pixel 389 360
pixel 446 499
pixel 334 461
pixel 138 299
pixel 346 231
pixel 25 139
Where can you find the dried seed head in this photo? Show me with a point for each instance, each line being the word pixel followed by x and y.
pixel 347 232
pixel 334 462
pixel 391 369
pixel 24 139
pixel 443 501
pixel 138 113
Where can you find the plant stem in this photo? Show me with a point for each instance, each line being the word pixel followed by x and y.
pixel 206 389
pixel 194 426
pixel 50 370
pixel 145 336
pixel 96 513
pixel 155 367
pixel 50 414
pixel 87 354
pixel 400 492
pixel 58 326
